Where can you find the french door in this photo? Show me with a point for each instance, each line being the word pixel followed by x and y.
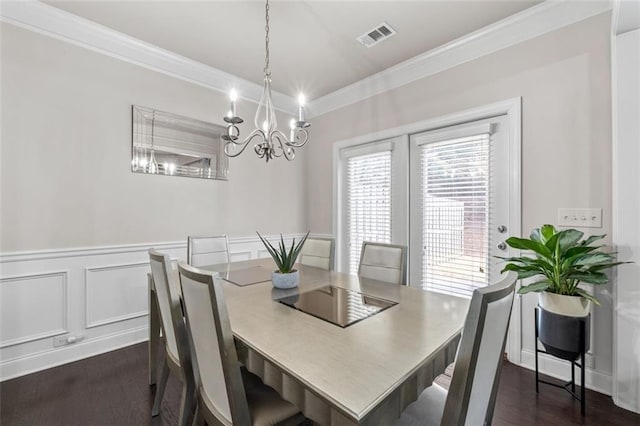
pixel 459 205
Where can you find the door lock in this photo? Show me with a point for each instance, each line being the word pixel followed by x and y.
pixel 502 245
pixel 502 229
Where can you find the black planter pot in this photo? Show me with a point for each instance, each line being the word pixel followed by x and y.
pixel 563 336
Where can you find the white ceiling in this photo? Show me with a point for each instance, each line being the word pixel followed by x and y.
pixel 313 46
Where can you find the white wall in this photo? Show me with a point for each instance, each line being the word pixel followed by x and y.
pixel 66 157
pixel 626 386
pixel 76 223
pixel 564 80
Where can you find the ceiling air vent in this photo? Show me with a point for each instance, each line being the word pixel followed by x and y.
pixel 376 35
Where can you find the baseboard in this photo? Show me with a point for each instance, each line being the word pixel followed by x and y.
pixel 554 367
pixel 629 407
pixel 58 356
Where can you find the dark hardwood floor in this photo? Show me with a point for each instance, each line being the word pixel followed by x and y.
pixel 112 389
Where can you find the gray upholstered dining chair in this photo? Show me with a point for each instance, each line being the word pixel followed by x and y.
pixel 473 385
pixel 227 394
pixel 207 250
pixel 318 252
pixel 383 262
pixel 177 359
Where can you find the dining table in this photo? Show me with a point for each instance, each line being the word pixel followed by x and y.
pixel 345 350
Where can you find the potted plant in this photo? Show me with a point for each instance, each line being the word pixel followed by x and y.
pixel 562 261
pixel 285 276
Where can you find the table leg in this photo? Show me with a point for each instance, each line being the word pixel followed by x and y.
pixel 154 332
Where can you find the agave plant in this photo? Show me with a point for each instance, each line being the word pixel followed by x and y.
pixel 284 259
pixel 562 259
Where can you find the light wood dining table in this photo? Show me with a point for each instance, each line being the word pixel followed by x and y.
pixel 365 373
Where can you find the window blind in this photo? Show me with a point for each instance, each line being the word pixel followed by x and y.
pixel 368 202
pixel 456 202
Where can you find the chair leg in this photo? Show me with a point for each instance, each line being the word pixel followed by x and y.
pixel 161 385
pixel 187 404
pixel 198 420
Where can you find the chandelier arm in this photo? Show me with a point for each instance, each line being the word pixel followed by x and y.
pixel 303 140
pixel 284 145
pixel 243 145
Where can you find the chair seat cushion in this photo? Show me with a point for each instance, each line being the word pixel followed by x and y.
pixel 426 410
pixel 265 405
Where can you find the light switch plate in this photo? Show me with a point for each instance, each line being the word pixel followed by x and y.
pixel 580 218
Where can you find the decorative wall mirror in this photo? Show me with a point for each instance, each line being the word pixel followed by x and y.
pixel 173 145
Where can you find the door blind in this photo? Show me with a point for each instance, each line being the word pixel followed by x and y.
pixel 368 202
pixel 455 201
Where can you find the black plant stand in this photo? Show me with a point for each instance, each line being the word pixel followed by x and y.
pixel 577 348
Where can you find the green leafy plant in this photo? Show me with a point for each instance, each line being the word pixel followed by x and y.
pixel 562 259
pixel 285 259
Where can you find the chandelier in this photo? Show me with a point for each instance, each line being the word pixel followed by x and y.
pixel 270 142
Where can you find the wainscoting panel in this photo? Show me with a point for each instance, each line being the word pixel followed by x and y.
pixel 22 297
pixel 115 293
pixel 59 306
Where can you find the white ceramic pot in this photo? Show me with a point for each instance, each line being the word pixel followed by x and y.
pixel 290 280
pixel 571 306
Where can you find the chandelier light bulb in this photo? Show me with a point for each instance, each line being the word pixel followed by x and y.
pixel 292 131
pixel 233 95
pixel 301 99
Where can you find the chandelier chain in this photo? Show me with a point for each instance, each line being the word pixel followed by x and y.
pixel 267 72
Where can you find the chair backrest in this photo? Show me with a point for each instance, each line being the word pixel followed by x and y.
pixel 383 262
pixel 207 250
pixel 213 344
pixel 318 252
pixel 474 384
pixel 168 296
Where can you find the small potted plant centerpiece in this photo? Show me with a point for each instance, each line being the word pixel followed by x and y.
pixel 562 261
pixel 285 276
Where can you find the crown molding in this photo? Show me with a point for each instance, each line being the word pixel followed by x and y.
pixel 626 16
pixel 56 23
pixel 533 22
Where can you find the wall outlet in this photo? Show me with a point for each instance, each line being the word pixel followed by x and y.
pixel 67 339
pixel 580 218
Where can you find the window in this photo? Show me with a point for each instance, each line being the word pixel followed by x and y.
pixel 368 202
pixel 372 202
pixel 455 202
pixel 460 179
